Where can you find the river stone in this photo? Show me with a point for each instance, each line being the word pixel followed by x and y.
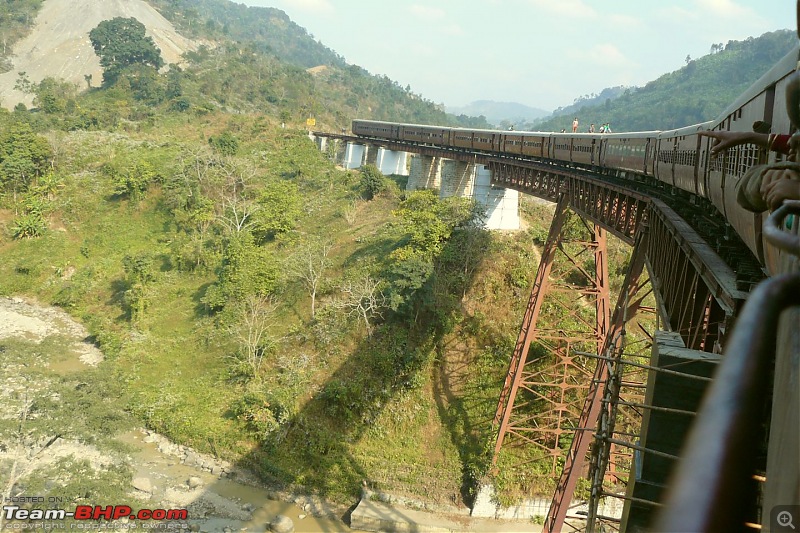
pixel 281 524
pixel 143 484
pixel 194 482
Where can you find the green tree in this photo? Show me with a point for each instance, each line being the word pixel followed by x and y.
pixel 281 206
pixel 52 95
pixel 132 181
pixel 225 143
pixel 428 223
pixel 140 271
pixel 247 269
pixel 121 43
pixel 371 181
pixel 24 155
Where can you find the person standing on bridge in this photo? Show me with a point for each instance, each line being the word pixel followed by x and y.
pixel 575 125
pixel 591 127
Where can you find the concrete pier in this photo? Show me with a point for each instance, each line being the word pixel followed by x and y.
pixel 665 431
pixel 458 179
pixel 370 155
pixel 354 155
pixel 426 173
pixel 502 205
pixel 391 162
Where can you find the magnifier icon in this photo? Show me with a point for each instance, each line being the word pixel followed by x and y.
pixel 785 519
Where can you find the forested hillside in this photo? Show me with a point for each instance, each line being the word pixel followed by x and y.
pixel 696 93
pixel 270 29
pixel 256 60
pixel 253 300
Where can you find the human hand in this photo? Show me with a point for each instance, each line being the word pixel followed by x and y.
pixel 726 139
pixel 778 190
pixel 777 174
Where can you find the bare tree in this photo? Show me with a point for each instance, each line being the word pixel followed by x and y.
pixel 23 461
pixel 256 315
pixel 236 207
pixel 364 299
pixel 310 265
pixel 237 214
pixel 195 164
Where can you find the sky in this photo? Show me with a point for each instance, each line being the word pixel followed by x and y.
pixel 541 53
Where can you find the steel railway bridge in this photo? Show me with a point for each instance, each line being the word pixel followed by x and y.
pixel 699 428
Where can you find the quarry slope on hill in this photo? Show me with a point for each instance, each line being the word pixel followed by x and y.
pixel 59 45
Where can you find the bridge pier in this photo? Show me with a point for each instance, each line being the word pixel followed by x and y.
pixel 370 155
pixel 501 204
pixel 321 142
pixel 354 155
pixel 426 173
pixel 673 400
pixel 458 179
pixel 391 162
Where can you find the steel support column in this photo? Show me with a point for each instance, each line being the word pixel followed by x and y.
pixel 631 297
pixel 552 377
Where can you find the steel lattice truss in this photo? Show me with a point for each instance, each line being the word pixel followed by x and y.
pixel 547 380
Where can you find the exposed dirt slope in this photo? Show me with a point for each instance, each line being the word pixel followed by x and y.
pixel 59 43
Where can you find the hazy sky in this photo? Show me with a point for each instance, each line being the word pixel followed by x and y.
pixel 542 53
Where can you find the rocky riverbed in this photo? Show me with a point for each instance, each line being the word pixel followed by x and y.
pixel 44 353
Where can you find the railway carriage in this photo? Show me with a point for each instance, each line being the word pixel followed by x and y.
pixel 431 135
pixel 488 140
pixel 584 148
pixel 684 169
pixel 627 151
pixel 461 138
pixel 512 143
pixel 372 128
pixel 535 144
pixel 560 147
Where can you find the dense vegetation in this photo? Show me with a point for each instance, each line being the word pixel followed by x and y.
pixel 696 93
pixel 253 303
pixel 252 300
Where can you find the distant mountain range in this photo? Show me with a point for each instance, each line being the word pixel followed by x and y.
pixel 696 92
pixel 499 112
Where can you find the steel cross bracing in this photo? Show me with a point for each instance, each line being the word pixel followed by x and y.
pixel 622 397
pixel 545 373
pixel 695 292
pixel 628 304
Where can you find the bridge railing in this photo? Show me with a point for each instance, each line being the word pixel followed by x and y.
pixel 713 486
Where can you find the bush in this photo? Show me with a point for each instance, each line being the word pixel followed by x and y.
pixel 372 181
pixel 262 412
pixel 134 180
pixel 28 226
pixel 225 143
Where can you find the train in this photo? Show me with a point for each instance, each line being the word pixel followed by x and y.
pixel 679 157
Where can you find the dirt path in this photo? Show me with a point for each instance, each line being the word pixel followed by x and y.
pixel 59 45
pixel 38 346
